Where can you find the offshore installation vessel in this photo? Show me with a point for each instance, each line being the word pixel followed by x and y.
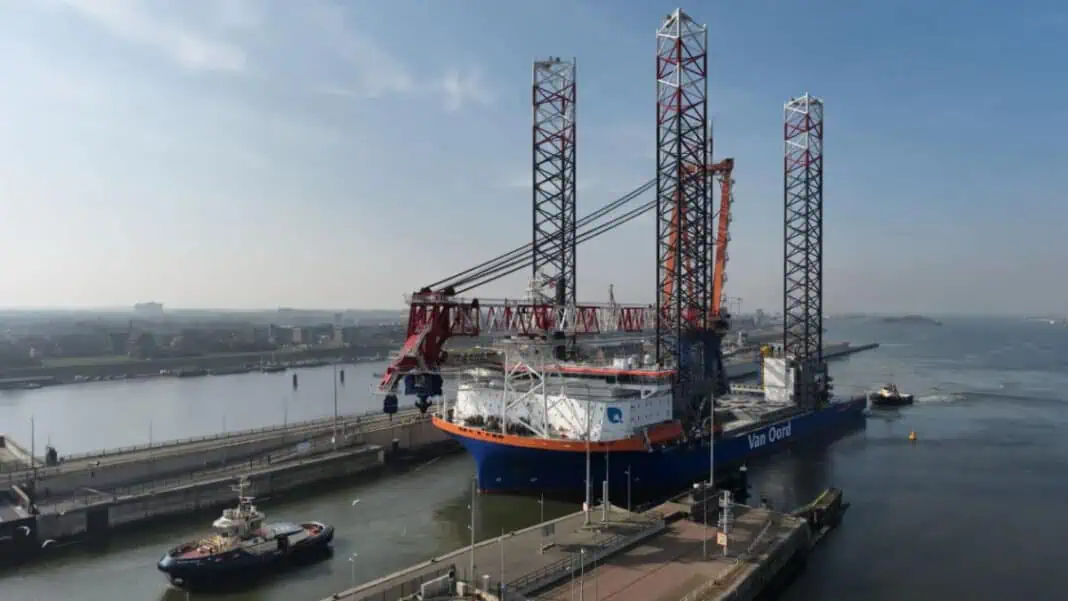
pixel 545 419
pixel 531 427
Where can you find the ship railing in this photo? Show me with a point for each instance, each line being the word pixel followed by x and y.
pixel 579 391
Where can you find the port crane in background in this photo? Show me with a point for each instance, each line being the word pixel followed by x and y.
pixel 689 317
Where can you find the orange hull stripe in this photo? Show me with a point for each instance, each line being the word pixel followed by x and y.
pixel 658 434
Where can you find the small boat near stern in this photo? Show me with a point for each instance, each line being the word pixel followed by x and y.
pixel 888 395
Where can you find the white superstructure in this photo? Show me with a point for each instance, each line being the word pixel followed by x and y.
pixel 529 399
pixel 567 409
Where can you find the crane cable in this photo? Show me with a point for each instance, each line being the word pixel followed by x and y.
pixel 524 261
pixel 505 261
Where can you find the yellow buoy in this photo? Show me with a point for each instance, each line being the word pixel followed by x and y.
pixel 912 436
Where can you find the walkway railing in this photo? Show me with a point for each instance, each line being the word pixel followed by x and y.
pixel 704 590
pixel 86 496
pixel 365 419
pixel 400 590
pixel 548 575
pixel 219 436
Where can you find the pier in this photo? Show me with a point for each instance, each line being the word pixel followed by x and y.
pixel 87 496
pixel 658 554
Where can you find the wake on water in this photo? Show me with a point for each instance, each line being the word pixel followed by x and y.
pixel 937 397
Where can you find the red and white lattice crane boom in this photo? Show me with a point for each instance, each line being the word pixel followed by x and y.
pixel 435 317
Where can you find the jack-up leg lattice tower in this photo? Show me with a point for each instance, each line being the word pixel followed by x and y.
pixel 683 219
pixel 803 247
pixel 554 242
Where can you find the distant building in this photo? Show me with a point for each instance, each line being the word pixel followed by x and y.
pixel 280 335
pixel 117 342
pixel 350 334
pixel 142 345
pixel 149 308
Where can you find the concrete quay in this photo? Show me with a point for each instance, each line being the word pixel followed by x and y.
pixel 131 465
pixel 416 435
pixel 95 517
pixel 685 563
pixel 19 457
pixel 93 514
pixel 532 557
pixel 661 555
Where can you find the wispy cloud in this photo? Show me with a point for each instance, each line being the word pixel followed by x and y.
pixel 457 88
pixel 370 70
pixel 374 72
pixel 463 87
pixel 140 22
pixel 212 36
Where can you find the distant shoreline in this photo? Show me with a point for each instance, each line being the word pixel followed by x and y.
pixel 912 320
pixel 127 368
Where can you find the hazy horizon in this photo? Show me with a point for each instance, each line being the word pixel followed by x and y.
pixel 401 310
pixel 251 153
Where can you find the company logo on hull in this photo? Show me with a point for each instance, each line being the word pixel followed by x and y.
pixel 614 415
pixel 771 435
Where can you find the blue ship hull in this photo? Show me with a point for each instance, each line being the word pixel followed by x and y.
pixel 503 468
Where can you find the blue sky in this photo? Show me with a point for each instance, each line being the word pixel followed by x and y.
pixel 242 153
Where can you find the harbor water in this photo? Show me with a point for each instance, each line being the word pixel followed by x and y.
pixel 972 509
pixel 89 416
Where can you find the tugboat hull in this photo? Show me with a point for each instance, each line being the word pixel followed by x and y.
pixel 899 400
pixel 236 566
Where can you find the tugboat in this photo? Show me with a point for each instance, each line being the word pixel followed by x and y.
pixel 889 396
pixel 242 546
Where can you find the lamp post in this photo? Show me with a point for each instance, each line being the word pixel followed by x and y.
pixel 471 526
pixel 333 437
pixel 33 462
pixel 152 463
pixel 628 488
pixel 589 492
pixel 704 537
pixel 582 573
pixel 352 560
pixel 285 417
